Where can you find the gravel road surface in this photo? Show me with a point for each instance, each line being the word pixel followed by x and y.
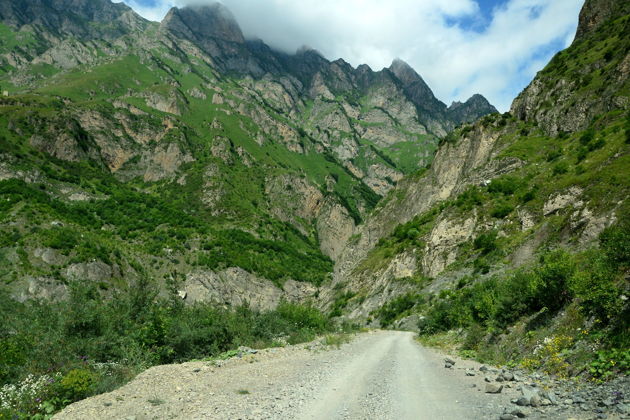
pixel 378 375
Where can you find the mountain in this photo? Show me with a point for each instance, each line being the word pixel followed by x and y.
pixel 183 152
pixel 517 235
pixel 171 191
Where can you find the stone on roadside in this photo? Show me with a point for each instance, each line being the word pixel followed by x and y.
pixel 532 395
pixel 520 413
pixel 493 389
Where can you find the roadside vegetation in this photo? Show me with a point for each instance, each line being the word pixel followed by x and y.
pixel 55 353
pixel 565 313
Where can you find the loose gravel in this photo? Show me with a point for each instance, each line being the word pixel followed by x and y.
pixel 378 375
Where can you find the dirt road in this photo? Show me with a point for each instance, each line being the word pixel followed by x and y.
pixel 379 375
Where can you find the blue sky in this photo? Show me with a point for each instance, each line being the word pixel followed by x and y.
pixel 460 47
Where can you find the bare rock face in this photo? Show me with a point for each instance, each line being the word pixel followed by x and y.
pixel 49 256
pixel 42 288
pixel 295 200
pixel 96 271
pixel 203 22
pixel 563 200
pixel 174 103
pixel 434 113
pixel 334 228
pixel 444 239
pixel 235 287
pixel 165 161
pixel 475 107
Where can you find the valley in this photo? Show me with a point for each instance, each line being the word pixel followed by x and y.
pixel 171 191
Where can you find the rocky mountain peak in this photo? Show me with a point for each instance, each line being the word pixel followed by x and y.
pixel 203 22
pixel 475 107
pixel 475 101
pixel 404 72
pixel 306 49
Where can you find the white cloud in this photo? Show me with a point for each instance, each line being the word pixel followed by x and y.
pixel 455 60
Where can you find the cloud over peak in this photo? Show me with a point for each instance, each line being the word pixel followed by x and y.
pixel 460 47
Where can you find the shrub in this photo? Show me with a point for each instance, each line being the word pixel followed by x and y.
pixel 550 281
pixel 560 168
pixel 553 155
pixel 398 307
pixel 486 242
pixel 615 243
pixel 12 357
pixel 469 199
pixel 587 136
pixel 481 265
pixel 62 238
pixel 77 384
pixel 595 288
pixel 132 330
pixel 506 185
pixel 528 196
pixel 610 362
pixel 502 210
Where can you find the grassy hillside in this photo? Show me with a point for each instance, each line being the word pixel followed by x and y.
pixel 526 262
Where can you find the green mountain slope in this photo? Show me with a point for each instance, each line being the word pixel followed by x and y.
pixel 519 230
pixel 183 153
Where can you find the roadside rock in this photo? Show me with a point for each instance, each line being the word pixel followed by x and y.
pixel 493 389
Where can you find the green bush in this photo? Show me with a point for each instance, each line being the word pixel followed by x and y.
pixel 610 362
pixel 615 243
pixel 529 196
pixel 501 210
pixel 594 286
pixel 486 242
pixel 77 384
pixel 506 185
pixel 398 307
pixel 61 238
pixel 470 199
pixel 560 168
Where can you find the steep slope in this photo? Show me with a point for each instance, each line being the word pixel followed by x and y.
pixel 242 170
pixel 472 242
